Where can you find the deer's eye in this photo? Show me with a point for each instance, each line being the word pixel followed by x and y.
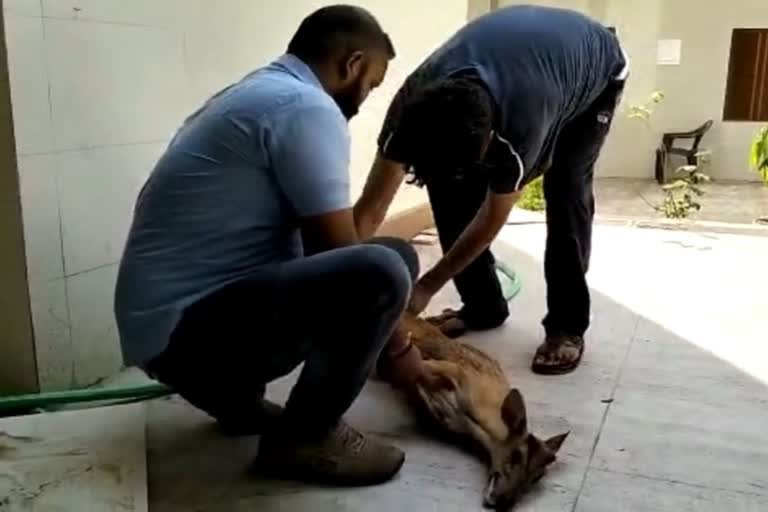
pixel 515 458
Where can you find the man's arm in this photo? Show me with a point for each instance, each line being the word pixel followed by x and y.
pixel 382 184
pixel 312 156
pixel 310 152
pixel 477 236
pixel 387 172
pixel 509 163
pixel 337 229
pixel 328 231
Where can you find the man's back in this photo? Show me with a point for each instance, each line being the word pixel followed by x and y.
pixel 542 66
pixel 526 51
pixel 219 202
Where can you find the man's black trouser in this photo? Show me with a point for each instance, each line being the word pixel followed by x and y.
pixel 570 211
pixel 333 311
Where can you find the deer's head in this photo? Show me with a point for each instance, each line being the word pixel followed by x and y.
pixel 520 460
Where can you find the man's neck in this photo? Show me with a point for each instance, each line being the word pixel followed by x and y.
pixel 321 72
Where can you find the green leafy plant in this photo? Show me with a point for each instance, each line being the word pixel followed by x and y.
pixel 533 196
pixel 681 197
pixel 644 111
pixel 759 160
pixel 759 154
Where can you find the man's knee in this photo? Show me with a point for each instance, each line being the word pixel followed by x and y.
pixel 404 249
pixel 389 273
pixel 381 273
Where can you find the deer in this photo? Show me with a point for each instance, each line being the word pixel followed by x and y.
pixel 467 394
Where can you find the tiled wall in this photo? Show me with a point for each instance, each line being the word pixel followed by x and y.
pixel 98 88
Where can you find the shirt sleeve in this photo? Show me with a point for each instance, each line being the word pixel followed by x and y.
pixel 514 154
pixel 310 159
pixel 507 166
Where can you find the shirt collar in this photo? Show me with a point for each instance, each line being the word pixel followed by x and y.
pixel 299 69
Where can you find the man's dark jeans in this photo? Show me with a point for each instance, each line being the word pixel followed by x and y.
pixel 333 311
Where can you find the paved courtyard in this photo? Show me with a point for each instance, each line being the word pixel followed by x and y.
pixel 728 202
pixel 668 411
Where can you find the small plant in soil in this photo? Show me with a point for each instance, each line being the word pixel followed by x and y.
pixel 681 197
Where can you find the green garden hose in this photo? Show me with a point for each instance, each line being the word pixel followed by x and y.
pixel 509 279
pixel 21 404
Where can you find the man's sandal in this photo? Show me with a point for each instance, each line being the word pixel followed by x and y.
pixel 558 355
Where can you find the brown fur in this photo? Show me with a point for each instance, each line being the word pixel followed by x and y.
pixel 467 393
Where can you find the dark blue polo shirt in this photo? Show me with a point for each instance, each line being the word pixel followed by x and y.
pixel 542 66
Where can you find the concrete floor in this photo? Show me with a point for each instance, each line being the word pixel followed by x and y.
pixel 668 411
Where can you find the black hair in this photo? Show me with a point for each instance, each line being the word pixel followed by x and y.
pixel 444 127
pixel 338 28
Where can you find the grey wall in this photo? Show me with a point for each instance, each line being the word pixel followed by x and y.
pixel 477 8
pixel 576 5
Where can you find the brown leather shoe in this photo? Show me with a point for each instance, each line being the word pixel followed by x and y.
pixel 343 457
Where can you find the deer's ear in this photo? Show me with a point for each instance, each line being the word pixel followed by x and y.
pixel 542 453
pixel 554 443
pixel 539 457
pixel 513 413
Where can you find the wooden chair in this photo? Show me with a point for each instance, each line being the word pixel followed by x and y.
pixel 668 148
